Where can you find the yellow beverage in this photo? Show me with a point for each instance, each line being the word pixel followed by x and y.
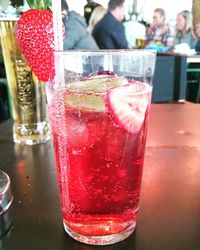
pixel 27 94
pixel 141 43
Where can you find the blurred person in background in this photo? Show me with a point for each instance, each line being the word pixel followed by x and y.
pixel 88 9
pixel 96 16
pixel 184 29
pixel 76 33
pixel 109 32
pixel 196 22
pixel 197 33
pixel 159 32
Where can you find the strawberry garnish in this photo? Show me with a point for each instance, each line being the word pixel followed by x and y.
pixel 35 36
pixel 128 105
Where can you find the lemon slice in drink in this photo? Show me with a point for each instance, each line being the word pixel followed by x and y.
pixel 96 85
pixel 90 94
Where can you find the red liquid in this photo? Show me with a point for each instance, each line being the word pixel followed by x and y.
pixel 100 187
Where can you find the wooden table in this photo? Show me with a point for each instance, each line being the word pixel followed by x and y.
pixel 169 215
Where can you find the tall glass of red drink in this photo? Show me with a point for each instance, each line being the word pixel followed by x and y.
pixel 99 107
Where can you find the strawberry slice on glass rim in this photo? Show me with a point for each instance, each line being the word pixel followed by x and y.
pixel 128 105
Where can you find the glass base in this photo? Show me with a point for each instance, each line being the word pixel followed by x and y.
pixel 101 240
pixel 31 134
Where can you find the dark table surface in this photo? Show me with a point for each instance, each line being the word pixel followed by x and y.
pixel 169 214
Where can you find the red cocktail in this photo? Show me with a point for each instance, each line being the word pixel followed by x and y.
pixel 99 127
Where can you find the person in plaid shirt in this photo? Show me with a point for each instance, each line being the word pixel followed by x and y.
pixel 160 33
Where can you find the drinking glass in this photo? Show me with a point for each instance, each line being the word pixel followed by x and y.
pixel 27 94
pixel 141 43
pixel 99 106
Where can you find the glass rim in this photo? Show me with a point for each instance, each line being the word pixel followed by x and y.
pixel 101 52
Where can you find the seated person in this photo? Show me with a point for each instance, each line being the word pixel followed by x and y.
pixel 196 22
pixel 88 9
pixel 76 33
pixel 109 31
pixel 197 33
pixel 96 16
pixel 160 33
pixel 184 30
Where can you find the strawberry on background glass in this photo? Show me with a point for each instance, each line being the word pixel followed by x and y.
pixel 26 92
pixel 35 35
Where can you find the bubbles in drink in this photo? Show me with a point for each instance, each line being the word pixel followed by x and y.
pixel 105 122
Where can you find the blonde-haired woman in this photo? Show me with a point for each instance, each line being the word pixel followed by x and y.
pixel 160 33
pixel 97 14
pixel 184 29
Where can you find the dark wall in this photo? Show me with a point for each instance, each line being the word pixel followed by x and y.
pixel 170 78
